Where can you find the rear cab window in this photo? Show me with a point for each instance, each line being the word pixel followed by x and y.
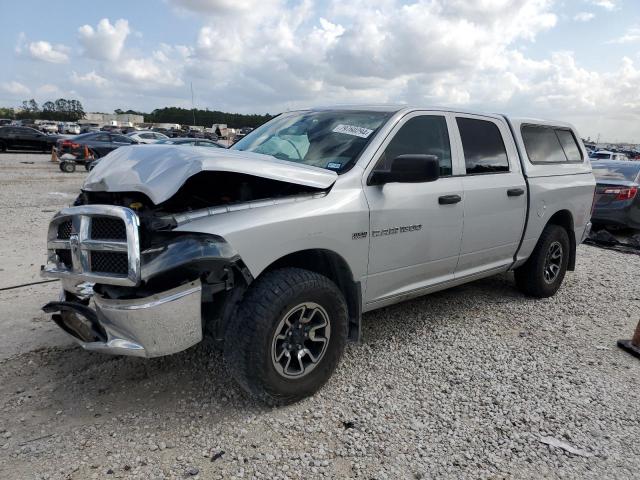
pixel 545 144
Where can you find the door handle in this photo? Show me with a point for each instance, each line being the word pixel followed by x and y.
pixel 515 192
pixel 449 199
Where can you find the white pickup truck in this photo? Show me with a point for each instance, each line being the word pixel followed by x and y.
pixel 277 246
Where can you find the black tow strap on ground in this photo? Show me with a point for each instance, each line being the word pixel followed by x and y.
pixel 27 285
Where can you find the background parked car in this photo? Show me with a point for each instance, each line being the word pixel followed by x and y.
pixel 111 128
pixel 47 126
pixel 165 131
pixel 607 155
pixel 147 136
pixel 617 202
pixel 25 138
pixel 89 127
pixel 196 142
pixel 71 128
pixel 98 143
pixel 5 121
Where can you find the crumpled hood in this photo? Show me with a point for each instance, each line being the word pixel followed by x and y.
pixel 159 171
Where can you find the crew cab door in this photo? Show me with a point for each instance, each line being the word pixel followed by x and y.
pixel 415 228
pixel 495 194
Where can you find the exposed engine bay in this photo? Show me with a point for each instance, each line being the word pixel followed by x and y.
pixel 203 190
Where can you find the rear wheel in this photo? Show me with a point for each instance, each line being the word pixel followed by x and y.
pixel 287 335
pixel 544 271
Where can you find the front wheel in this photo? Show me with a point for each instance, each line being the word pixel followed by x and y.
pixel 287 335
pixel 544 271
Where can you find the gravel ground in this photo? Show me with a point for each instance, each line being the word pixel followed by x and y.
pixel 467 383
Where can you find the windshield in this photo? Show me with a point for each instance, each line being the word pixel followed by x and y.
pixel 331 139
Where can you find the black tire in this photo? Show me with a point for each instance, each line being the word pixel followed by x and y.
pixel 250 336
pixel 531 278
pixel 68 167
pixel 3 147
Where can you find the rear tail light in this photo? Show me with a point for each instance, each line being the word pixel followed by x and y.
pixel 622 193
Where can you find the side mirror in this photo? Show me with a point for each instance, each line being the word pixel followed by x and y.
pixel 408 169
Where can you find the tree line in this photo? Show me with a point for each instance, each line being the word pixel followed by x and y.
pixel 62 110
pixel 207 117
pixel 72 111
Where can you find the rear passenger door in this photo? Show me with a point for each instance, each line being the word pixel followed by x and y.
pixel 495 195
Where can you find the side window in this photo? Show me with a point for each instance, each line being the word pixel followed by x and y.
pixel 542 144
pixel 484 150
pixel 422 135
pixel 569 144
pixel 102 137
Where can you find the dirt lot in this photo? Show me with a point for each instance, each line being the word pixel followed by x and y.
pixel 474 382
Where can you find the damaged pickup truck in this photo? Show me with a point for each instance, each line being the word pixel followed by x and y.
pixel 276 247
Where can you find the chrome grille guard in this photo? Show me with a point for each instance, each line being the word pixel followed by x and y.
pixel 80 245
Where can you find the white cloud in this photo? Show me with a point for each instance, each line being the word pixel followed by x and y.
pixel 584 17
pixel 15 88
pixel 90 79
pixel 606 4
pixel 106 41
pixel 46 52
pixel 271 55
pixel 631 35
pixel 48 89
pixel 424 52
pixel 148 73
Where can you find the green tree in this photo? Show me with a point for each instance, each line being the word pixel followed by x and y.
pixel 48 111
pixel 207 118
pixel 33 106
pixel 7 113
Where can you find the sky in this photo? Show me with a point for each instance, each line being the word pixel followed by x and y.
pixel 570 60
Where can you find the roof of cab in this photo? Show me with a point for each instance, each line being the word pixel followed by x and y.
pixel 394 108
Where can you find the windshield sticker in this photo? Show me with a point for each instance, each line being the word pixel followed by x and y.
pixel 353 130
pixel 334 165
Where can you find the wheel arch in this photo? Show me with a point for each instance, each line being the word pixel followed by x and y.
pixel 335 267
pixel 564 219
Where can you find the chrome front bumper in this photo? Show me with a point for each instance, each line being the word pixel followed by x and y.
pixel 161 324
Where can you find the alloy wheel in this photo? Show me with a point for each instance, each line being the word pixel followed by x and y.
pixel 300 340
pixel 553 262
